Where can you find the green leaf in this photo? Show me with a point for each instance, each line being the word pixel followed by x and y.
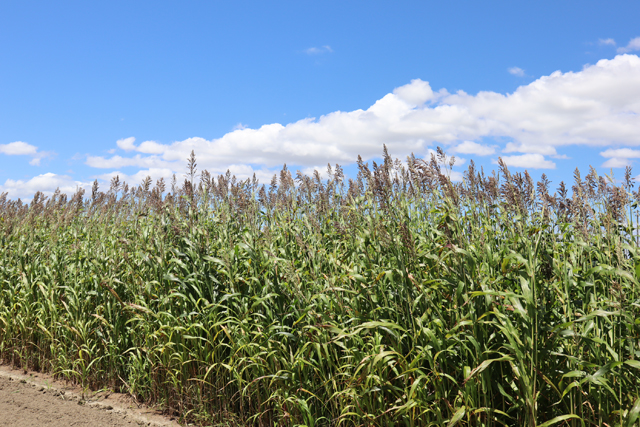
pixel 558 419
pixel 481 367
pixel 569 387
pixel 633 363
pixel 633 415
pixel 457 416
pixel 574 374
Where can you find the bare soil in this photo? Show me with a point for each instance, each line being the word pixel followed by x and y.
pixel 34 399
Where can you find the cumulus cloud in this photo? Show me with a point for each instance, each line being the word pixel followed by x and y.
pixel 597 106
pixel 417 93
pixel 470 147
pixel 46 183
pixel 126 144
pixel 147 147
pixel 619 157
pixel 621 152
pixel 528 161
pixel 318 50
pixel 547 150
pixel 137 178
pixel 617 162
pixel 238 170
pixel 516 71
pixel 633 45
pixel 120 162
pixel 20 148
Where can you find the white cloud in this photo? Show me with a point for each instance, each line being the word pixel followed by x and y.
pixel 115 162
pixel 20 148
pixel 240 171
pixel 310 171
pixel 417 93
pixel 470 147
pixel 456 176
pixel 617 162
pixel 547 150
pixel 318 50
pixel 619 157
pixel 516 71
pixel 151 147
pixel 605 42
pixel 597 106
pixel 528 161
pixel 147 147
pixel 126 144
pixel 633 45
pixel 138 177
pixel 46 183
pixel 621 152
pixel 458 161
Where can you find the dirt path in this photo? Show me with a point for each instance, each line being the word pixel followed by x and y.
pixel 37 400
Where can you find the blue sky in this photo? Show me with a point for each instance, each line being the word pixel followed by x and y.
pixel 89 90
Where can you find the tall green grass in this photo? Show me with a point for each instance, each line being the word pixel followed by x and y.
pixel 397 298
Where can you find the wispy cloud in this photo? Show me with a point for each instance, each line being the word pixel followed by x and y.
pixel 632 46
pixel 516 71
pixel 20 148
pixel 606 42
pixel 318 50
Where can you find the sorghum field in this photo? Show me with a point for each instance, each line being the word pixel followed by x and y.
pixel 397 298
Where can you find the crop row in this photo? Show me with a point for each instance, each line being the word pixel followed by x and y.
pixel 394 298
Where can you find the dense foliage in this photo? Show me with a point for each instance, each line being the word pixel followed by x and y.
pixel 397 298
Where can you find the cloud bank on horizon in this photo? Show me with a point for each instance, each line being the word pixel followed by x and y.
pixel 598 106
